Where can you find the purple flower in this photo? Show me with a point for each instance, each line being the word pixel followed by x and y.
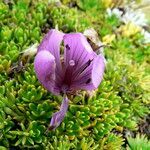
pixel 79 68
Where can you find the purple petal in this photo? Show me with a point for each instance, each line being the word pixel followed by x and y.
pixel 77 52
pixel 91 77
pixel 44 65
pixel 51 43
pixel 77 49
pixel 98 70
pixel 58 117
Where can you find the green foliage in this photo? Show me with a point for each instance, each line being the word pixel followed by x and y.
pixel 4 63
pixel 68 19
pixel 88 4
pixel 111 142
pixel 26 107
pixel 140 142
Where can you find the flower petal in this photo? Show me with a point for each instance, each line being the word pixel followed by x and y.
pixel 58 117
pixel 98 70
pixel 91 77
pixel 77 49
pixel 44 65
pixel 51 43
pixel 77 52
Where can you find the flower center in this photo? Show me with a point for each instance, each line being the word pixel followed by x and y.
pixel 64 88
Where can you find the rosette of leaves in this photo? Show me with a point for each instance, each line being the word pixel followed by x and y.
pixel 4 64
pixel 111 142
pixel 27 137
pixel 140 142
pixel 4 12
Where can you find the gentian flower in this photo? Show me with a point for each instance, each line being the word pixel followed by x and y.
pixel 79 68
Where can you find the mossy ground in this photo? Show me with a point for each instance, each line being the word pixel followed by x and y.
pixel 98 122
